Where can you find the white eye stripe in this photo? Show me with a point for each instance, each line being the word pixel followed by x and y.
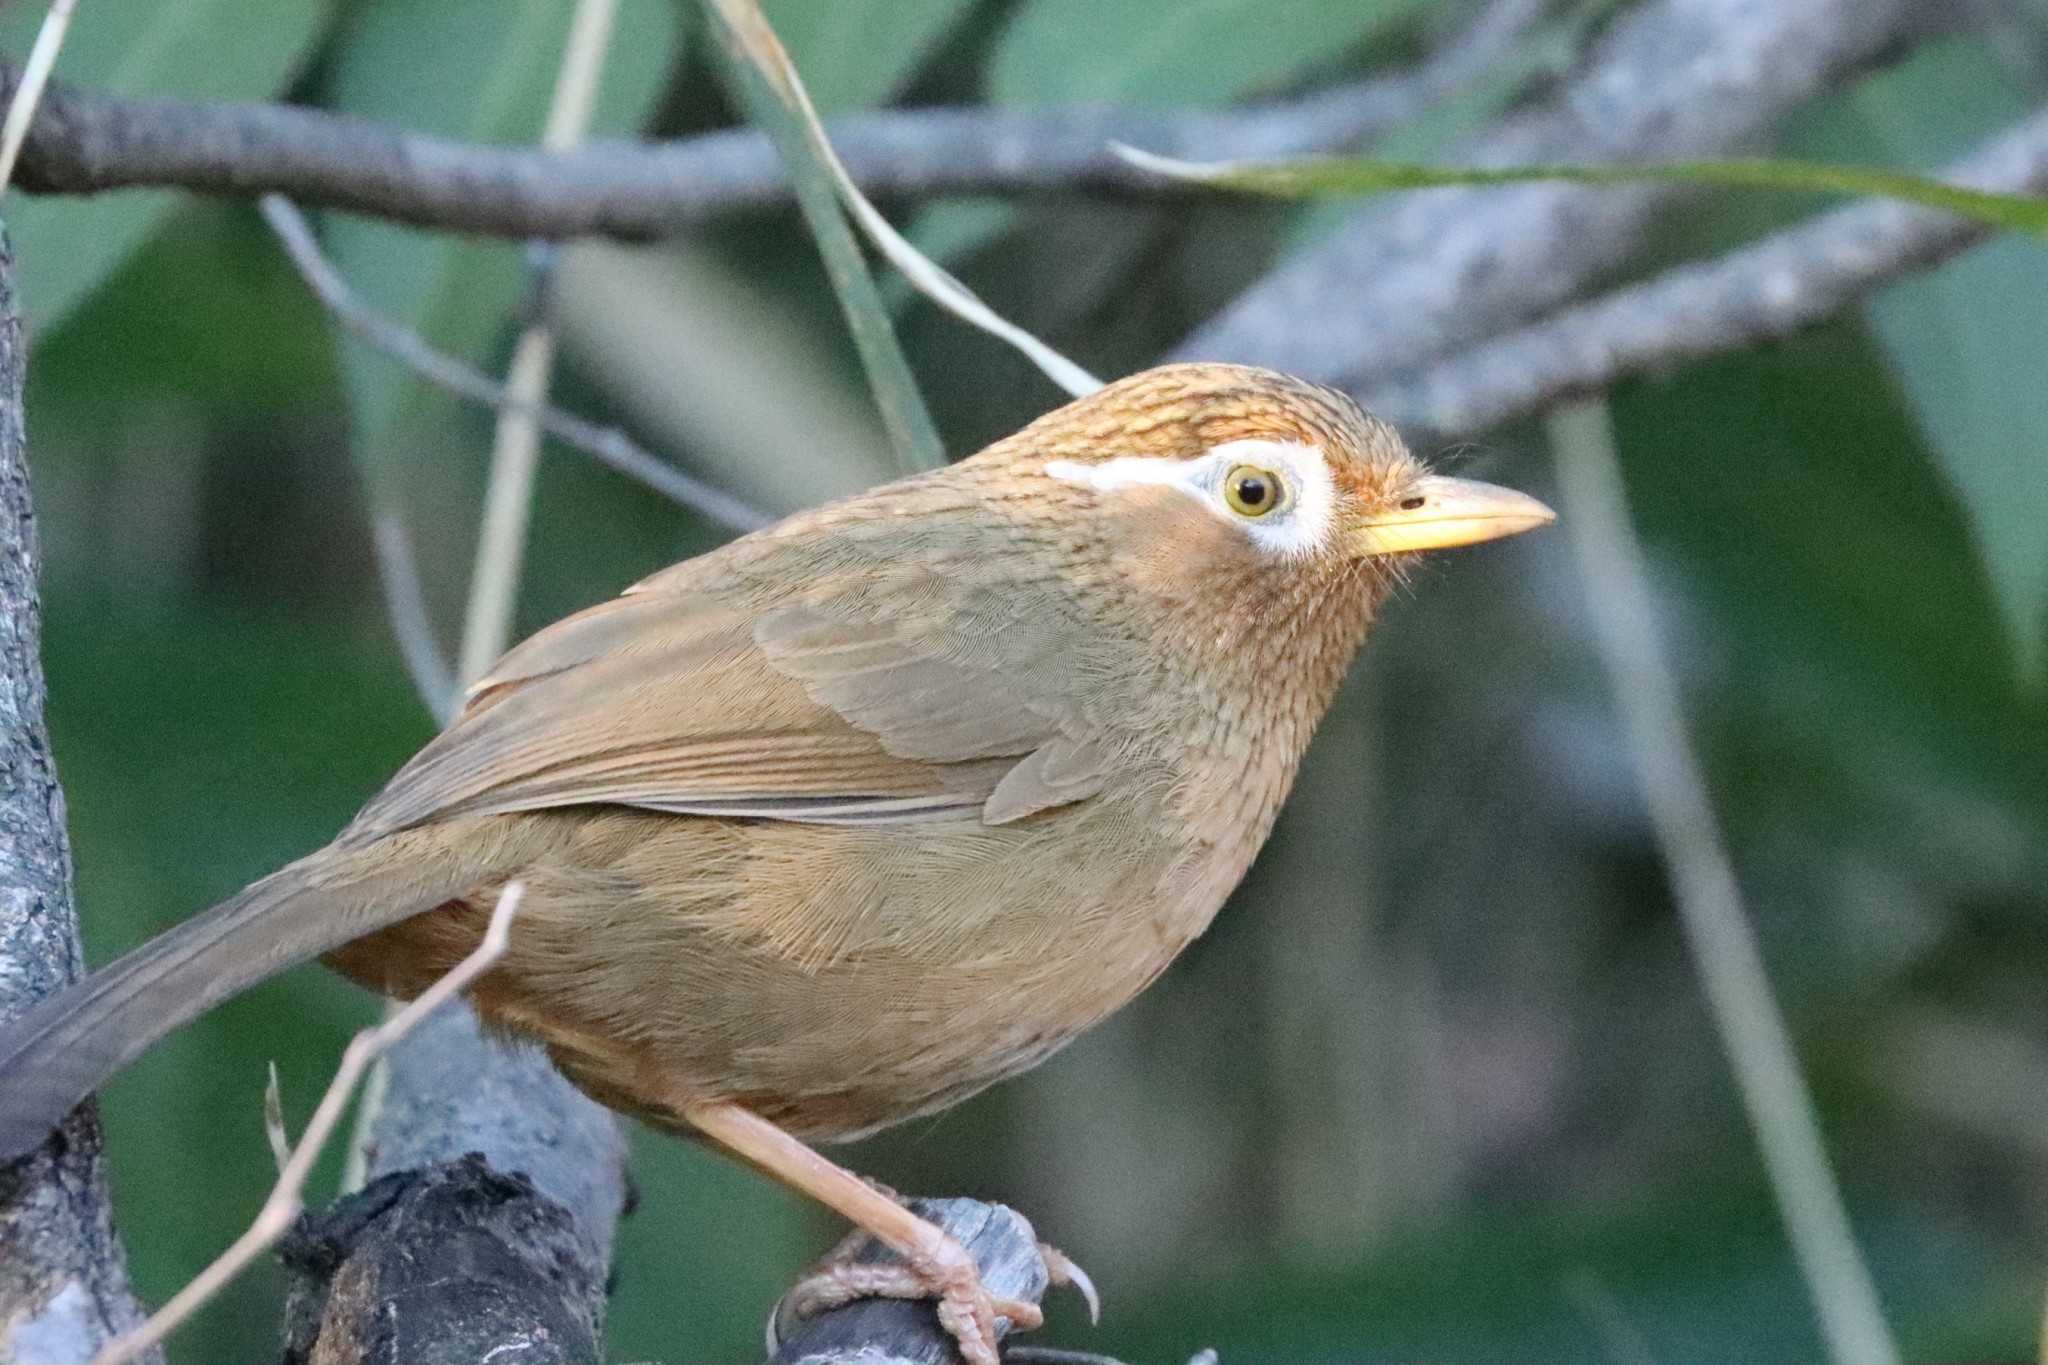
pixel 1298 528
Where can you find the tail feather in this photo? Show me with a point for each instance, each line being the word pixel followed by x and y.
pixel 63 1048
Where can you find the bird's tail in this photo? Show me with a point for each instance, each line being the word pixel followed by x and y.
pixel 66 1046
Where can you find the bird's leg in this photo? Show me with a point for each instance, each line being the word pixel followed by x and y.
pixel 934 1264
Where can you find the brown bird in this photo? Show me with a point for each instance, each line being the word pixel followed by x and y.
pixel 844 821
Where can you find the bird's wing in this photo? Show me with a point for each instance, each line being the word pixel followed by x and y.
pixel 902 696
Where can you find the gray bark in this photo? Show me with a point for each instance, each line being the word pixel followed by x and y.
pixel 63 1274
pixel 447 1264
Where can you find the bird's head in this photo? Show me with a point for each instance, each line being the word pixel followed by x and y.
pixel 1227 474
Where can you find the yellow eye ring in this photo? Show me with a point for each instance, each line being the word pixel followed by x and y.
pixel 1253 492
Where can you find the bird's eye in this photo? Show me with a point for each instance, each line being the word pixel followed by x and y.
pixel 1252 491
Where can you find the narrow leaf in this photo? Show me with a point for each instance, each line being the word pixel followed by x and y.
pixel 766 89
pixel 753 34
pixel 1317 177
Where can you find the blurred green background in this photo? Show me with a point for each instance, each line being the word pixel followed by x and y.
pixel 1439 1084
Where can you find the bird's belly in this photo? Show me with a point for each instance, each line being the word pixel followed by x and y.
pixel 835 980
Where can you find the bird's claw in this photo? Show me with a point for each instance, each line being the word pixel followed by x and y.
pixel 944 1273
pixel 1062 1272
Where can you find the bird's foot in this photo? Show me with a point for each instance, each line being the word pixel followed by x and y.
pixel 939 1269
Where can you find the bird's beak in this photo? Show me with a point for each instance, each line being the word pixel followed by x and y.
pixel 1437 513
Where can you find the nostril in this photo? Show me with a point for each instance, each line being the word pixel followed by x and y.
pixel 1413 504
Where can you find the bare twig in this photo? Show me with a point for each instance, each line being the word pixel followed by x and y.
pixel 35 76
pixel 286 1200
pixel 85 143
pixel 405 603
pixel 1717 929
pixel 1770 289
pixel 515 453
pixel 606 445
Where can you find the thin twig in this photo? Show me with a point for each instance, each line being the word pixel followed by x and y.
pixel 21 110
pixel 286 1200
pixel 607 445
pixel 515 452
pixel 1703 883
pixel 87 142
pixel 405 603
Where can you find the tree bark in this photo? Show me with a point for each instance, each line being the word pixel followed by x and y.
pixel 63 1274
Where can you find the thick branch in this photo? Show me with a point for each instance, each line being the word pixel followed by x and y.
pixel 1416 277
pixel 444 1265
pixel 63 1275
pixel 1782 283
pixel 85 143
pixel 454 1092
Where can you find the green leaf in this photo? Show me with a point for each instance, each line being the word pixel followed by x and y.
pixel 759 75
pixel 479 70
pixel 207 49
pixel 1196 52
pixel 853 53
pixel 1319 177
pixel 1792 490
pixel 1967 340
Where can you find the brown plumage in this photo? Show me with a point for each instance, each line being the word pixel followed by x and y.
pixel 850 818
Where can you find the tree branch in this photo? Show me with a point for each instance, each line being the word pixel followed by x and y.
pixel 86 143
pixel 902 1332
pixel 63 1275
pixel 1424 274
pixel 1761 292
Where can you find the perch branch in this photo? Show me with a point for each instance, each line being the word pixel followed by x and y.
pixel 83 142
pixel 907 1332
pixel 286 1199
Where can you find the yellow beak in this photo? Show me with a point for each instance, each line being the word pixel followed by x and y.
pixel 1437 513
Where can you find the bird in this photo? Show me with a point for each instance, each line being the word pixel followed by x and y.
pixel 843 821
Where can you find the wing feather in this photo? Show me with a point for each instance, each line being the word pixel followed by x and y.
pixel 888 702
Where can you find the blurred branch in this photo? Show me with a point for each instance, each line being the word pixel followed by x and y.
pixel 83 142
pixel 1761 292
pixel 515 449
pixel 607 445
pixel 286 1199
pixel 63 1274
pixel 405 602
pixel 1703 884
pixel 1413 279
